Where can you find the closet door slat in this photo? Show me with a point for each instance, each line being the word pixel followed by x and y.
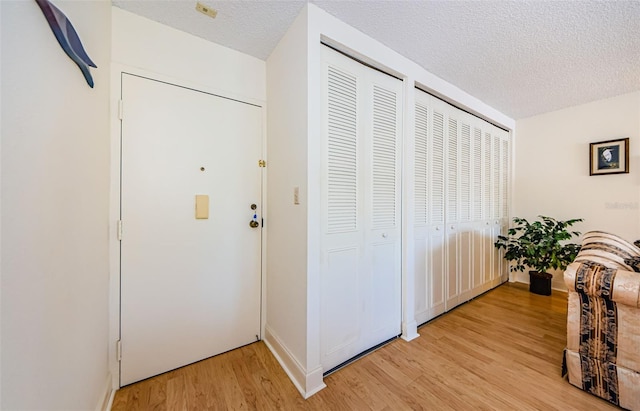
pixel 342 147
pixel 421 150
pixel 384 158
pixel 437 170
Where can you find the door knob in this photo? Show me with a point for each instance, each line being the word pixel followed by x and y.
pixel 254 221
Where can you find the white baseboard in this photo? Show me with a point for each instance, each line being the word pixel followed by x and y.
pixel 520 277
pixel 557 283
pixel 314 382
pixel 410 331
pixel 111 397
pixel 307 383
pixel 106 398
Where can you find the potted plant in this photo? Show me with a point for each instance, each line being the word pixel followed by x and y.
pixel 539 245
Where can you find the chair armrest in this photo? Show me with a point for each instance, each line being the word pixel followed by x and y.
pixel 624 290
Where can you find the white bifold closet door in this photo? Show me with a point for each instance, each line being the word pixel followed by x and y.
pixel 361 249
pixel 461 205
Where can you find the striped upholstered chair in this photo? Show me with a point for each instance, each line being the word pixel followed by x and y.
pixel 603 320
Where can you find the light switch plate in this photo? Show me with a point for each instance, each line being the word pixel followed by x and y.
pixel 296 195
pixel 202 207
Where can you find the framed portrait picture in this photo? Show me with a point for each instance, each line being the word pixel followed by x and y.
pixel 609 157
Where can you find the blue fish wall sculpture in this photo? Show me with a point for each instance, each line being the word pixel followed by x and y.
pixel 67 37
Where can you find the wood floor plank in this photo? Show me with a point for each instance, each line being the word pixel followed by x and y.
pixel 217 399
pixel 158 393
pixel 500 351
pixel 177 398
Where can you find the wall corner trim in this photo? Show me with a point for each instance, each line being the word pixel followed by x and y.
pixel 306 383
pixel 106 398
pixel 410 331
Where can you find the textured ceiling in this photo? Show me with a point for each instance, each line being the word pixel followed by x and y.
pixel 521 57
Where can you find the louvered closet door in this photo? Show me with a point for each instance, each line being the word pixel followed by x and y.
pixel 493 155
pixel 464 226
pixel 430 237
pixel 421 229
pixel 488 191
pixel 452 211
pixel 461 205
pixel 477 208
pixel 499 215
pixel 361 254
pixel 495 205
pixel 505 168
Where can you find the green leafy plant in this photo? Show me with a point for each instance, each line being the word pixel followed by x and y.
pixel 539 245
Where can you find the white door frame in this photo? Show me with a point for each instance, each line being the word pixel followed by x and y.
pixel 114 200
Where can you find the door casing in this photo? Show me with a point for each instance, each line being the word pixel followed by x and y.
pixel 117 69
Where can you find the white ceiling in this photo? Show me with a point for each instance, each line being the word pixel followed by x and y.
pixel 523 57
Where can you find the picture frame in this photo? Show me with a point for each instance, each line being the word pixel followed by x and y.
pixel 609 157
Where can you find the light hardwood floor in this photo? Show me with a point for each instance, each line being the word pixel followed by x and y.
pixel 501 351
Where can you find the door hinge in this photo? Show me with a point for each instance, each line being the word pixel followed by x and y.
pixel 119 230
pixel 120 110
pixel 119 350
pixel 262 163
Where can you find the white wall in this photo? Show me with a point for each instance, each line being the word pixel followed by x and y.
pixel 55 188
pixel 286 328
pixel 294 103
pixel 145 44
pixel 0 210
pixel 552 167
pixel 144 47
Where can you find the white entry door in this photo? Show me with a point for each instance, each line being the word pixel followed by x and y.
pixel 190 287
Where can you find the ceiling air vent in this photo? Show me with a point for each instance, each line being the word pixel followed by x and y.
pixel 209 11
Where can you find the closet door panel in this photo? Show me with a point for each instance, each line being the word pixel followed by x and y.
pixel 465 182
pixel 421 288
pixel 496 206
pixel 478 260
pixel 438 267
pixel 421 161
pixel 342 148
pixel 340 318
pixel 488 255
pixel 487 208
pixel 465 226
pixel 466 265
pixel 341 268
pixel 421 189
pixel 461 188
pixel 452 214
pixel 452 252
pixel 422 206
pixel 436 170
pixel 436 263
pixel 385 176
pixel 503 217
pixel 385 318
pixel 478 222
pixel 477 159
pixel 382 194
pixel 504 264
pixel 361 265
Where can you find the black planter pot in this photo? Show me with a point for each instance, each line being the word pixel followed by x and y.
pixel 540 283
